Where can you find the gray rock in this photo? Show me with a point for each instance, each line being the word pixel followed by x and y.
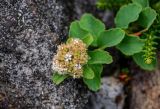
pixel 30 31
pixel 110 96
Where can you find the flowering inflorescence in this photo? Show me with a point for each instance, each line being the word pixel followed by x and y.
pixel 70 58
pixel 149 49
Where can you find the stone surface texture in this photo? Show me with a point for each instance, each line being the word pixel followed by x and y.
pixel 110 96
pixel 30 31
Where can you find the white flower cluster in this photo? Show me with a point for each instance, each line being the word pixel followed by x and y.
pixel 70 58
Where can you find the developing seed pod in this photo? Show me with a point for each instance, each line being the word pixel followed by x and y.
pixel 70 58
pixel 149 48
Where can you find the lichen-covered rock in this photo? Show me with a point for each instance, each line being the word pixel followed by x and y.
pixel 29 33
pixel 110 96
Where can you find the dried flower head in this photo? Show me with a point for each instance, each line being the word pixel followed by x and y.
pixel 70 58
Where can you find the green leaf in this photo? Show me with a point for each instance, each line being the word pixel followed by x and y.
pixel 75 31
pixel 69 40
pixel 88 73
pixel 88 39
pixel 57 78
pixel 111 37
pixel 99 57
pixel 131 45
pixel 127 14
pixel 138 58
pixel 143 3
pixel 147 17
pixel 95 83
pixel 92 25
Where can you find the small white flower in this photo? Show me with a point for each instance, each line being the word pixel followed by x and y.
pixel 76 41
pixel 78 66
pixel 58 68
pixel 74 75
pixel 68 57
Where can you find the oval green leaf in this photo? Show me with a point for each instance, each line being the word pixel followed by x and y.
pixel 138 58
pixel 95 83
pixel 127 14
pixel 131 45
pixel 147 17
pixel 75 31
pixel 92 25
pixel 57 78
pixel 99 57
pixel 111 37
pixel 88 73
pixel 88 39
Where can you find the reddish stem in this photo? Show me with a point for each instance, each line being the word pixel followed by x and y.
pixel 139 33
